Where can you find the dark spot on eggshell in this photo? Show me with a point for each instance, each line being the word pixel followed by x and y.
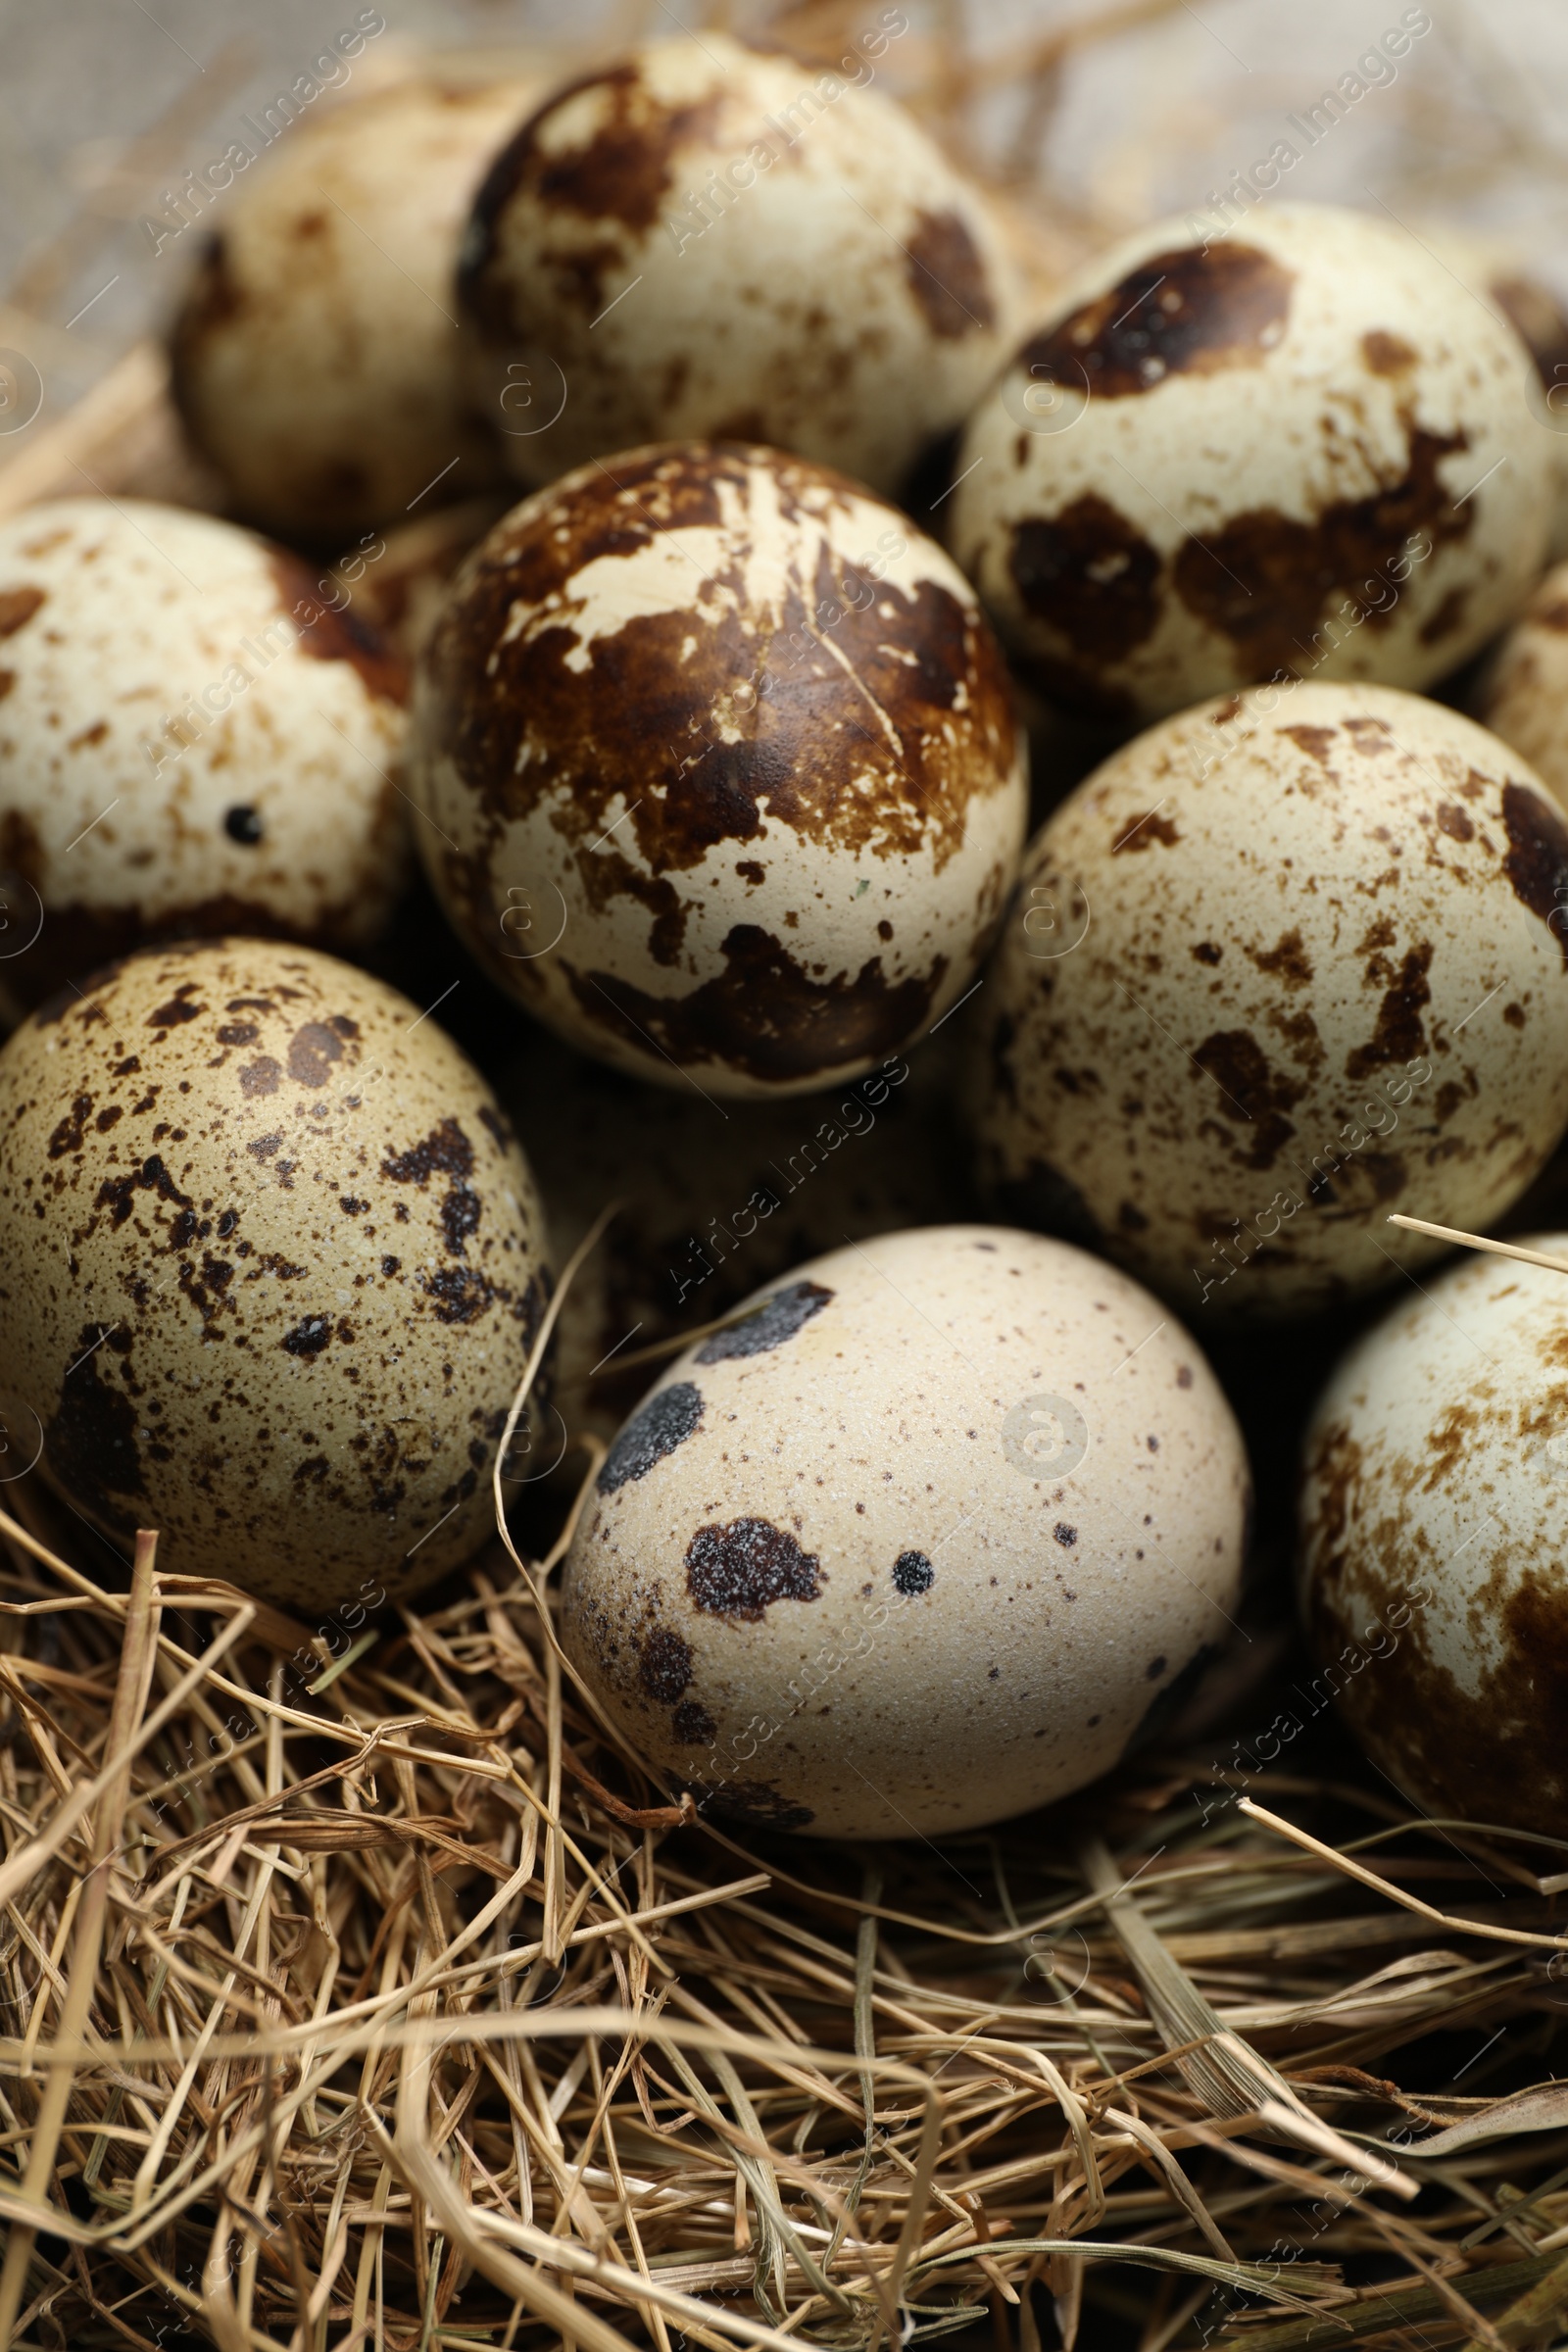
pixel 764 1013
pixel 68 1134
pixel 1386 354
pixel 913 1573
pixel 1316 742
pixel 692 1724
pixel 755 1804
pixel 1285 960
pixel 1264 579
pixel 91 1440
pixel 117 1193
pixel 460 1214
pixel 1090 574
pixel 664 1422
pixel 767 1326
pixel 243 824
pixel 445 1151
pixel 18 607
pixel 1454 821
pixel 178 1010
pixel 1536 863
pixel 344 635
pixel 1065 1535
pixel 1144 832
pixel 313 1049
pixel 947 277
pixel 1183 313
pixel 1250 1093
pixel 259 1077
pixel 1400 1035
pixel 664 1667
pixel 739 1570
pixel 1536 315
pixel 309 1336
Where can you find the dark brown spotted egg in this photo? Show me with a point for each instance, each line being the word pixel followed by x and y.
pixel 1522 694
pixel 190 741
pixel 317 361
pixel 1285 964
pixel 702 240
pixel 1433 1511
pixel 1302 449
pixel 719 769
pixel 271 1264
pixel 935 1532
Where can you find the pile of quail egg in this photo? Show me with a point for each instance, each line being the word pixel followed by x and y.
pixel 583 767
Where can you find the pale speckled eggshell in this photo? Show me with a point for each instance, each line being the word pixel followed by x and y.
pixel 851 302
pixel 179 751
pixel 271 1264
pixel 731 744
pixel 1434 1509
pixel 317 361
pixel 1500 273
pixel 1275 909
pixel 1522 695
pixel 917 1544
pixel 1234 449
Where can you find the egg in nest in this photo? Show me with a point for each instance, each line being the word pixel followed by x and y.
pixel 1434 1512
pixel 702 240
pixel 270 1265
pixel 317 359
pixel 933 1533
pixel 1305 448
pixel 1284 963
pixel 719 768
pixel 191 740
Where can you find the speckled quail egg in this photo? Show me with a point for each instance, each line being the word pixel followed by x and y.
pixel 710 1206
pixel 1300 449
pixel 271 1264
pixel 929 1537
pixel 1501 275
pixel 702 240
pixel 191 740
pixel 720 768
pixel 1433 1524
pixel 318 358
pixel 1284 963
pixel 1522 694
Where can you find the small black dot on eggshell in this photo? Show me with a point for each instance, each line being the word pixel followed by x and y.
pixel 244 825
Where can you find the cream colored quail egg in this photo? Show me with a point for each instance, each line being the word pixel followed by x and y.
pixel 1304 449
pixel 1284 963
pixel 191 740
pixel 719 768
pixel 1434 1515
pixel 270 1265
pixel 1522 694
pixel 702 240
pixel 929 1537
pixel 318 358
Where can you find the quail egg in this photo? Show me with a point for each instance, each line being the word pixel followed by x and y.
pixel 1434 1514
pixel 1283 964
pixel 702 240
pixel 1522 694
pixel 192 739
pixel 1302 449
pixel 719 768
pixel 270 1265
pixel 931 1535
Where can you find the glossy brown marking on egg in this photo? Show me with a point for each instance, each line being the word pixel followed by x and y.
pixel 18 607
pixel 1286 960
pixel 947 277
pixel 1207 951
pixel 178 1010
pixel 1454 821
pixel 313 1049
pixel 764 1013
pixel 1186 313
pixel 1314 741
pixel 767 1326
pixel 1144 831
pixel 664 1667
pixel 863 723
pixel 445 1151
pixel 1265 579
pixel 67 1136
pixel 1536 863
pixel 1250 1092
pixel 309 1336
pixel 665 1421
pixel 739 1570
pixel 1386 354
pixel 1090 574
pixel 344 635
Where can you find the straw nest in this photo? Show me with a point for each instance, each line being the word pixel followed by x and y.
pixel 356 1988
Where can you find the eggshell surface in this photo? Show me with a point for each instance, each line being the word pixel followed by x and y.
pixel 702 240
pixel 1285 964
pixel 271 1264
pixel 719 768
pixel 919 1543
pixel 1302 449
pixel 318 358
pixel 1434 1540
pixel 190 741
pixel 1523 693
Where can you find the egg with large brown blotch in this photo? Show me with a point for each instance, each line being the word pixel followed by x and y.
pixel 317 359
pixel 1434 1519
pixel 937 1531
pixel 270 1265
pixel 1301 447
pixel 719 768
pixel 197 735
pixel 698 239
pixel 1284 965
